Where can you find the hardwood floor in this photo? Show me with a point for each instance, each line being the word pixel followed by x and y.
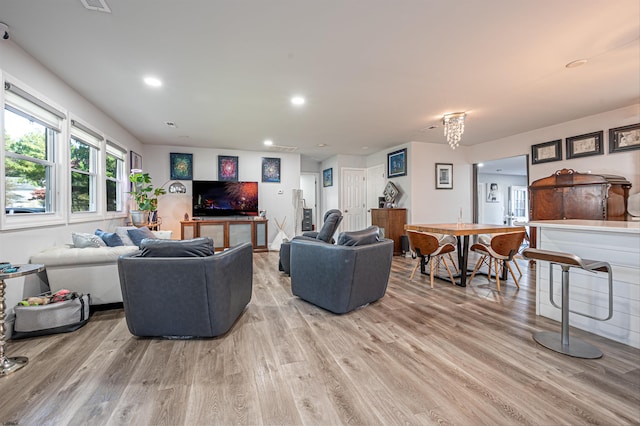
pixel 446 355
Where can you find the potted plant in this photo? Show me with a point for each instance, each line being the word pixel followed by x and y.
pixel 145 197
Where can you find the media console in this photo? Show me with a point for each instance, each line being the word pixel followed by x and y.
pixel 228 232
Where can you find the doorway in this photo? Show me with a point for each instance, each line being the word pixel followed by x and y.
pixel 309 183
pixel 501 191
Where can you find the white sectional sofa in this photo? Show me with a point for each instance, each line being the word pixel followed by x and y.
pixel 90 270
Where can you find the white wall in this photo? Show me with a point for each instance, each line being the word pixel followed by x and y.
pixel 625 164
pixel 275 198
pixel 17 246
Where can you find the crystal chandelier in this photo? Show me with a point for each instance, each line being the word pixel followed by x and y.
pixel 454 128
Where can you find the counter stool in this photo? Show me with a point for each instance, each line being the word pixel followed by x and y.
pixel 559 342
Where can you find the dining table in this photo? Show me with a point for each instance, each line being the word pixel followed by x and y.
pixel 462 231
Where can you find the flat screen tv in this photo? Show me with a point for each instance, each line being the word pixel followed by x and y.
pixel 221 198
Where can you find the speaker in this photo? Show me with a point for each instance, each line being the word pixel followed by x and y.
pixel 404 243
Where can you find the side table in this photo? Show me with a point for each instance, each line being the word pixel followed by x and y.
pixel 9 365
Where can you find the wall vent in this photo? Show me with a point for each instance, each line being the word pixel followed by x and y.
pixel 97 5
pixel 283 148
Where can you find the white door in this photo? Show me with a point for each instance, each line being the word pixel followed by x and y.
pixel 518 204
pixel 353 200
pixel 375 187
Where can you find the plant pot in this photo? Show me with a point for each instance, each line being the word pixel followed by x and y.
pixel 139 217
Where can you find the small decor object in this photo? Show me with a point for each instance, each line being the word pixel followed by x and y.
pixel 327 177
pixel 546 152
pixel 186 217
pixel 270 169
pixel 585 145
pixel 390 193
pixel 227 168
pixel 280 237
pixel 624 138
pixel 493 193
pixel 181 166
pixel 444 176
pixel 397 163
pixel 135 161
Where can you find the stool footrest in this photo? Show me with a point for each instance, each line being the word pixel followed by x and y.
pixel 577 348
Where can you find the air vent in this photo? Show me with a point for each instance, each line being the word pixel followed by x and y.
pixel 282 148
pixel 97 5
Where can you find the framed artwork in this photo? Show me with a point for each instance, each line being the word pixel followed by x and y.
pixel 397 163
pixel 624 138
pixel 181 166
pixel 444 176
pixel 135 161
pixel 270 169
pixel 327 177
pixel 585 145
pixel 493 193
pixel 228 168
pixel 546 152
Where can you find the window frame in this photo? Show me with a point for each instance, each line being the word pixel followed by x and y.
pixel 113 148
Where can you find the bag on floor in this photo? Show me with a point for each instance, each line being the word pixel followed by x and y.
pixel 56 317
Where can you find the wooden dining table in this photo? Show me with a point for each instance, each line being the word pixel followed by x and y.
pixel 462 231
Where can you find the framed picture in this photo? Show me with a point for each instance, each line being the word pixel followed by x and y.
pixel 585 145
pixel 546 152
pixel 227 168
pixel 327 177
pixel 444 176
pixel 397 163
pixel 181 166
pixel 624 138
pixel 270 169
pixel 493 193
pixel 135 161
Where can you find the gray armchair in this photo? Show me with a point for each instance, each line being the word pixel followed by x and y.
pixel 340 278
pixel 332 220
pixel 180 289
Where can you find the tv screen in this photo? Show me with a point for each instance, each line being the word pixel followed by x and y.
pixel 218 198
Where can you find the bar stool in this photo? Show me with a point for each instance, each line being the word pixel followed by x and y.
pixel 559 342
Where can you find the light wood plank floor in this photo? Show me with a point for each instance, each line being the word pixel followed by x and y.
pixel 446 355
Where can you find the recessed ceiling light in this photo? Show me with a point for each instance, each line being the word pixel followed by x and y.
pixel 170 124
pixel 153 81
pixel 480 164
pixel 322 145
pixel 575 64
pixel 268 142
pixel 298 100
pixel 365 147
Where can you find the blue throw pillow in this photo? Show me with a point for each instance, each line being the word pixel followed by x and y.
pixel 139 234
pixel 110 238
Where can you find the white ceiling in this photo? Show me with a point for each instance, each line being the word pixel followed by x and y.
pixel 374 72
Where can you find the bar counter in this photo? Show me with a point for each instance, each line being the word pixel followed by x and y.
pixel 616 242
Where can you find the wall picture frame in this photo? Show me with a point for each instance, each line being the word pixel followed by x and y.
pixel 585 145
pixel 493 193
pixel 546 152
pixel 228 168
pixel 397 163
pixel 625 138
pixel 181 166
pixel 444 176
pixel 135 161
pixel 270 170
pixel 327 177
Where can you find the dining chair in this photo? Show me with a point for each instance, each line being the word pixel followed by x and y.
pixel 499 250
pixel 428 249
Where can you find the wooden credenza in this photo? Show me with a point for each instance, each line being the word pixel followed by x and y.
pixel 391 223
pixel 228 233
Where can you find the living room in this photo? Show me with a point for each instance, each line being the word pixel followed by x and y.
pixel 22 237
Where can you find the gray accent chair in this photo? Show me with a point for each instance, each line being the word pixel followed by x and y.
pixel 341 278
pixel 332 220
pixel 181 289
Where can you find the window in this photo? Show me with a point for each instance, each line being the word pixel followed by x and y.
pixel 114 177
pixel 84 147
pixel 31 132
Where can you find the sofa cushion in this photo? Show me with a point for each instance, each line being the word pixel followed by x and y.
pixel 197 247
pixel 76 257
pixel 139 234
pixel 329 226
pixel 124 236
pixel 359 238
pixel 83 240
pixel 110 238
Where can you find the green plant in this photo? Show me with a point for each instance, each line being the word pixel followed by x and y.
pixel 143 192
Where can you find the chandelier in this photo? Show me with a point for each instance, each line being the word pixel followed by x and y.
pixel 454 128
